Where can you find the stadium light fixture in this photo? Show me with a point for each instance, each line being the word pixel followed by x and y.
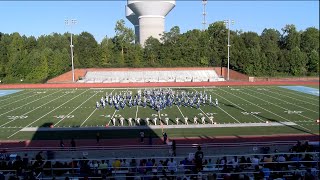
pixel 204 3
pixel 227 23
pixel 71 22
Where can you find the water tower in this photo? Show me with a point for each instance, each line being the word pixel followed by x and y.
pixel 148 17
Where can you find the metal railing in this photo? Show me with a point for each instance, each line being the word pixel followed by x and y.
pixel 127 147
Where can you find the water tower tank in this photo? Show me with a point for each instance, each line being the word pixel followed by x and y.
pixel 151 17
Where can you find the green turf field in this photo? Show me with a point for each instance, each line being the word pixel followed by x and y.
pixel 239 107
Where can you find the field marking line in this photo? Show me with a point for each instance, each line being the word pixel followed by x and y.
pixel 33 110
pixel 204 113
pixel 278 105
pixel 88 117
pixel 28 103
pixel 266 109
pixel 222 110
pixel 112 116
pixel 18 100
pixel 180 112
pixel 137 112
pixel 237 106
pixel 296 93
pixel 16 95
pixel 75 109
pixel 92 113
pixel 46 114
pixel 295 99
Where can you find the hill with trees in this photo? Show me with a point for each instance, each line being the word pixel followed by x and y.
pixel 273 53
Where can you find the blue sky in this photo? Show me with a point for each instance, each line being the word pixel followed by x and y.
pixel 99 17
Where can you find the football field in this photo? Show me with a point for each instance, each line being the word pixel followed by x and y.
pixel 242 110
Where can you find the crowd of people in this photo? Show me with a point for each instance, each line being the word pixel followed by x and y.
pixel 157 99
pixel 298 163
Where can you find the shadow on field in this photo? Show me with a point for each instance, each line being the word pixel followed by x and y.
pixel 96 136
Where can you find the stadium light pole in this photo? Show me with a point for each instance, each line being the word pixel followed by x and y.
pixel 227 23
pixel 70 22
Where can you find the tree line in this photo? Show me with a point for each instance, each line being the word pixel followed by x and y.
pixel 273 53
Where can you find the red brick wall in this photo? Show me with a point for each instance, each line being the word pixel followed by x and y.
pixel 67 77
pixel 233 75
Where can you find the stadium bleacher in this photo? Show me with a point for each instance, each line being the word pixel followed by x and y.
pixel 302 160
pixel 151 76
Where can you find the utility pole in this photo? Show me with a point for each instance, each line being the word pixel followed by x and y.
pixel 71 22
pixel 227 23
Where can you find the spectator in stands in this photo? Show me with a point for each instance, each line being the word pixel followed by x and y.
pixel 223 161
pixel 297 147
pixel 25 161
pixel 149 165
pixel 306 147
pixel 309 175
pixel 165 137
pixel 103 166
pixel 234 162
pixel 268 161
pixel 160 166
pixel 198 159
pixel 174 148
pixel 172 165
pixel 133 165
pixel 242 163
pixel 266 171
pixel 307 157
pixel 141 136
pixel 116 164
pixel 255 161
pixel 209 165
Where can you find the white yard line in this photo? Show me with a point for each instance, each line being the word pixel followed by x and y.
pixel 159 115
pixel 7 104
pixel 137 112
pixel 15 96
pixel 228 114
pixel 295 98
pixel 180 112
pixel 46 114
pixel 112 117
pixel 265 109
pixel 75 109
pixel 34 109
pixel 205 113
pixel 237 106
pixel 113 114
pixel 88 117
pixel 281 106
pixel 224 112
pixel 28 103
pixel 295 93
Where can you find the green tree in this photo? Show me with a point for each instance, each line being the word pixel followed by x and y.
pixel 290 38
pixel 297 61
pixel 270 40
pixel 310 40
pixel 39 64
pixel 87 51
pixel 313 62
